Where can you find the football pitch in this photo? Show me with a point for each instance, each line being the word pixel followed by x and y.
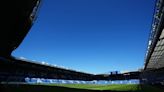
pixel 116 87
pixel 78 88
pixel 111 88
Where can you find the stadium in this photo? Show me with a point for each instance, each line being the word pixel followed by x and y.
pixel 21 75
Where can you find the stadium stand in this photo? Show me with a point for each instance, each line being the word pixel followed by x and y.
pixel 120 76
pixel 153 72
pixel 22 69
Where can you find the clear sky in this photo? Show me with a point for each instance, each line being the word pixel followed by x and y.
pixel 94 36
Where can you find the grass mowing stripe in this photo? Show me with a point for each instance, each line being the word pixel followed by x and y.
pixel 114 87
pixel 118 87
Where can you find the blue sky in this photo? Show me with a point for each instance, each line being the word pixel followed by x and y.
pixel 94 36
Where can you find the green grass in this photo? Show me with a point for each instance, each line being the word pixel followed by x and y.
pixel 116 87
pixel 127 87
pixel 77 88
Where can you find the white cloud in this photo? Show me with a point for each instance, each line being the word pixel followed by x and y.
pixel 124 71
pixel 43 62
pixel 22 57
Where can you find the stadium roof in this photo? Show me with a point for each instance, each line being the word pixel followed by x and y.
pixel 155 52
